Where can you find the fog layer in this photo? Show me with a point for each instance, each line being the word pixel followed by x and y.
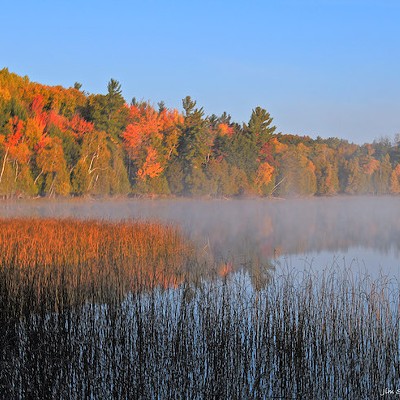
pixel 253 229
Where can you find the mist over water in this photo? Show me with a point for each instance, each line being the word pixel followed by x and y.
pixel 291 334
pixel 357 232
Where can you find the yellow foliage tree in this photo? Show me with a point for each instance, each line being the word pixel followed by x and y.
pixel 395 180
pixel 263 179
pixel 51 162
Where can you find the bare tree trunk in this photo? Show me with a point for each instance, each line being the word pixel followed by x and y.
pixel 275 187
pixel 4 165
pixel 16 171
pixel 41 172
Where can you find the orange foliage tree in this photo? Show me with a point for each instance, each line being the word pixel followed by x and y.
pixel 151 139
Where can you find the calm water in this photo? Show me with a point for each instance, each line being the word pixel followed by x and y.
pixel 362 260
pixel 362 233
pixel 321 339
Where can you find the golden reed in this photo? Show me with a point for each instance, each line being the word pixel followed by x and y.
pixel 81 258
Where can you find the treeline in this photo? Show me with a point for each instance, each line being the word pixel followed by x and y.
pixel 59 142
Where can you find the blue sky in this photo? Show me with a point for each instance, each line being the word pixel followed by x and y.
pixel 320 67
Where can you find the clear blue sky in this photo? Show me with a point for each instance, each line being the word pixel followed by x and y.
pixel 320 67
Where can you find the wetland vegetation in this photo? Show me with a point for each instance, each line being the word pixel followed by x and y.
pixel 101 309
pixel 153 252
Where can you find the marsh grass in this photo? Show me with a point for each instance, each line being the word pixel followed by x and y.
pixel 332 335
pixel 62 262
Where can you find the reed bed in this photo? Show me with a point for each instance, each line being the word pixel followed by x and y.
pixel 331 335
pixel 65 261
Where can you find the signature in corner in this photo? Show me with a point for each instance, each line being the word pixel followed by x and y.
pixel 390 392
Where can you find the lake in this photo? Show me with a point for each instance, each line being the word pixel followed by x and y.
pixel 277 328
pixel 362 233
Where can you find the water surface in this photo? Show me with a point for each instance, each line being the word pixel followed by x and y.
pixel 360 232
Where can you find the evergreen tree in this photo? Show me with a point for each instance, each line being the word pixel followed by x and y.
pixel 259 127
pixel 194 147
pixel 108 112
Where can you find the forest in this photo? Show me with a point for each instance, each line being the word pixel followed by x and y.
pixel 57 141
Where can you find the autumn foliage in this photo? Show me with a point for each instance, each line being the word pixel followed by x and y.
pixel 57 141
